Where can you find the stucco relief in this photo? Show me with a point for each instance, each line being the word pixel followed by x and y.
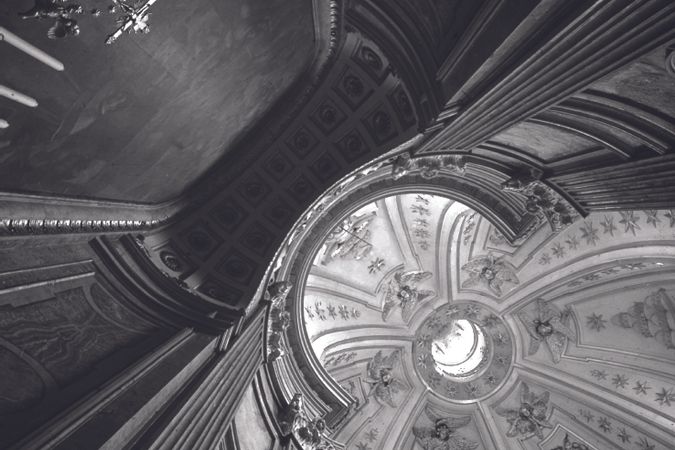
pixel 550 326
pixel 491 271
pixel 529 418
pixel 380 376
pixel 444 433
pixel 402 292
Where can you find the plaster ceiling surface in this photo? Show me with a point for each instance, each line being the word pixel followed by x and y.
pixel 450 337
pixel 143 118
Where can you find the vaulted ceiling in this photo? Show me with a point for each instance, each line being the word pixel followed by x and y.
pixel 162 183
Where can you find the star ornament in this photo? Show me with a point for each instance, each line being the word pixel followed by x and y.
pixel 620 381
pixel 572 242
pixel 641 387
pixel 666 397
pixel 670 215
pixel 545 259
pixel 608 226
pixel 624 436
pixel 595 322
pixel 549 326
pixel 630 221
pixel 589 233
pixel 372 434
pixel 652 217
pixel 558 250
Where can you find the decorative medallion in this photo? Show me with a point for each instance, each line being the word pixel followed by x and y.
pixel 463 352
pixel 170 260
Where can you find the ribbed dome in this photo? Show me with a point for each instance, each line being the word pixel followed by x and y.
pixel 448 336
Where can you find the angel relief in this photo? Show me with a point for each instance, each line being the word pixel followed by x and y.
pixel 443 435
pixel 402 292
pixel 490 271
pixel 531 417
pixel 551 326
pixel 349 239
pixel 383 385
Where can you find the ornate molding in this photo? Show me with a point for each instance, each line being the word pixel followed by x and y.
pixel 279 319
pixel 428 166
pixel 542 200
pixel 19 227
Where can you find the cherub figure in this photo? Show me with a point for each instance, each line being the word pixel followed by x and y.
pixel 443 435
pixel 291 415
pixel 277 293
pixel 402 291
pixel 550 326
pixel 530 418
pixel 383 384
pixel 491 271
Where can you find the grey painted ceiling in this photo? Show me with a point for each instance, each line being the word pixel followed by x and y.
pixel 143 118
